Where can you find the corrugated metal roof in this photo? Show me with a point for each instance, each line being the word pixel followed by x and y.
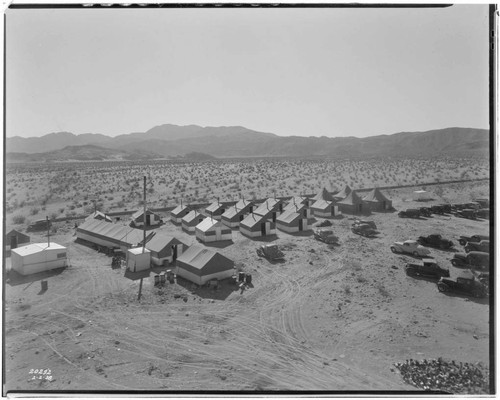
pixel 37 248
pixel 207 224
pixel 288 217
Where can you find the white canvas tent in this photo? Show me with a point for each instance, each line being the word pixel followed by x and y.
pixel 38 257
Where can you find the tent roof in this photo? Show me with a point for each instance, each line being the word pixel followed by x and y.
pixel 17 233
pixel 37 248
pixel 375 195
pixel 215 206
pixel 251 220
pixel 288 216
pixel 113 231
pixel 343 193
pixel 267 206
pixel 197 256
pixel 321 204
pixel 99 215
pixel 193 214
pixel 179 209
pixel 323 195
pixel 159 241
pixel 207 224
pixel 138 213
pixel 297 207
pixel 352 198
pixel 240 206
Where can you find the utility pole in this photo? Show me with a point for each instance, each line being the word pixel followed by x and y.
pixel 48 230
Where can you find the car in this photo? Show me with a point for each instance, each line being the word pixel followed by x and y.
pixel 271 252
pixel 40 225
pixel 474 238
pixel 446 207
pixel 473 260
pixel 483 245
pixel 410 247
pixel 366 222
pixel 427 267
pixel 409 213
pixel 326 236
pixel 435 240
pixel 437 209
pixel 473 205
pixel 468 213
pixel 484 203
pixel 483 213
pixel 425 211
pixel 466 283
pixel 363 230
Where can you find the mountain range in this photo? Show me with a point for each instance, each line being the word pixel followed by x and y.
pixel 172 141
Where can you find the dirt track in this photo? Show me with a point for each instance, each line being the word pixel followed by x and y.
pixel 325 319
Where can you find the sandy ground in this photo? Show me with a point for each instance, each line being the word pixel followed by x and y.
pixel 327 318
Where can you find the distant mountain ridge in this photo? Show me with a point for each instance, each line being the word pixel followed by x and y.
pixel 235 141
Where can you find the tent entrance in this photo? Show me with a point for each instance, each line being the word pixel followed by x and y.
pixel 263 229
pixel 148 219
pixel 301 224
pixel 13 242
pixel 174 252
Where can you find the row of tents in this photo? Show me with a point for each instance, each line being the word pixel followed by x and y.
pixel 254 220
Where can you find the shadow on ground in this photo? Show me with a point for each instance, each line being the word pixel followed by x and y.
pixel 15 279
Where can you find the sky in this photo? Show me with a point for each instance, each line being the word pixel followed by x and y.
pixel 308 72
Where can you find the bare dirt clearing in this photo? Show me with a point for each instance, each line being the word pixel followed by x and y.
pixel 328 318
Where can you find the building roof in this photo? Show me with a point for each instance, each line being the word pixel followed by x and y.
pixel 192 215
pixel 159 241
pixel 99 215
pixel 37 248
pixel 375 195
pixel 138 213
pixel 251 220
pixel 207 224
pixel 321 204
pixel 323 195
pixel 112 231
pixel 343 193
pixel 352 198
pixel 288 216
pixel 14 232
pixel 238 208
pixel 214 207
pixel 180 208
pixel 268 205
pixel 297 207
pixel 197 256
pixel 138 250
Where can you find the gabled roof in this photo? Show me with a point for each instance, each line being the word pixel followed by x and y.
pixel 138 213
pixel 321 204
pixel 267 206
pixel 14 232
pixel 240 206
pixel 214 207
pixel 198 256
pixel 288 216
pixel 180 208
pixel 37 248
pixel 99 215
pixel 352 198
pixel 252 219
pixel 207 224
pixel 375 195
pixel 343 193
pixel 323 195
pixel 192 215
pixel 297 207
pixel 159 241
pixel 116 232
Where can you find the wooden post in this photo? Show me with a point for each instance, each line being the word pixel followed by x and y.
pixel 48 231
pixel 140 290
pixel 144 224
